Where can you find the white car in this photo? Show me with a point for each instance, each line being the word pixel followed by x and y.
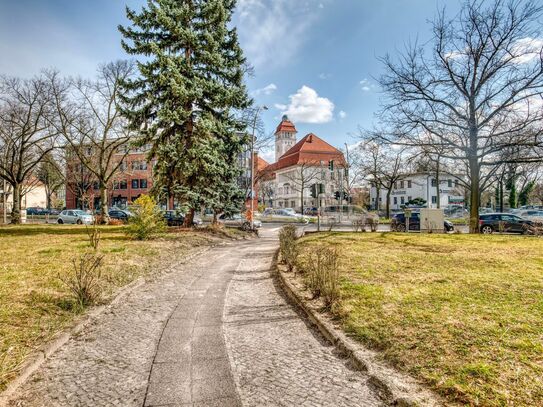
pixel 75 216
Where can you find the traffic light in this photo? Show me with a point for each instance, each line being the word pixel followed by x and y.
pixel 314 191
pixel 331 165
pixel 337 195
pixel 321 188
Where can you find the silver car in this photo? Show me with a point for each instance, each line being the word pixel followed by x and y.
pixel 238 221
pixel 75 216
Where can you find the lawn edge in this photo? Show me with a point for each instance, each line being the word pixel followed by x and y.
pixel 36 359
pixel 394 387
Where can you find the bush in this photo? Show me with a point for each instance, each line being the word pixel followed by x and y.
pixel 147 220
pixel 84 282
pixel 94 236
pixel 115 222
pixel 323 275
pixel 288 247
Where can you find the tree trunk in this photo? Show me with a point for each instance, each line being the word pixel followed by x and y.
pixel 16 208
pixel 189 219
pixel 302 199
pixel 438 199
pixel 389 191
pixel 474 196
pixel 104 211
pixel 214 222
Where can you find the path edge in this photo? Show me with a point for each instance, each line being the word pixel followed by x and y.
pixel 395 388
pixel 37 358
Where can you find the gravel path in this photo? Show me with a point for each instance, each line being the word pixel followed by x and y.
pixel 214 332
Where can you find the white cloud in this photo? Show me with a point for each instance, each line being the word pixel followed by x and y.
pixel 306 106
pixel 321 5
pixel 342 114
pixel 266 90
pixel 366 85
pixel 325 76
pixel 527 49
pixel 272 31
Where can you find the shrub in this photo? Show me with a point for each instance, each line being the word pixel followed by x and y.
pixel 94 236
pixel 323 275
pixel 115 222
pixel 84 282
pixel 288 246
pixel 147 220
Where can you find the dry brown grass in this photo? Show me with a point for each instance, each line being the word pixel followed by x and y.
pixel 35 304
pixel 463 313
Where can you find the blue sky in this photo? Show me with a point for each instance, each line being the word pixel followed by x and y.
pixel 316 60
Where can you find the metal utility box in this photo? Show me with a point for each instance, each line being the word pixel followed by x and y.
pixel 432 220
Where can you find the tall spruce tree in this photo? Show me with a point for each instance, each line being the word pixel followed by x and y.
pixel 184 101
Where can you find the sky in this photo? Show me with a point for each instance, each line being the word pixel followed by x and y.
pixel 315 60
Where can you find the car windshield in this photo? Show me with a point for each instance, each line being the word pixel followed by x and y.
pixel 79 212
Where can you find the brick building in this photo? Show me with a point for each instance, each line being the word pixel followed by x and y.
pixel 134 178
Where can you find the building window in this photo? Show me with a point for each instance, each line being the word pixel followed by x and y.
pixel 402 184
pixel 408 183
pixel 456 183
pixel 135 184
pixel 395 185
pixel 143 183
pixel 434 199
pixel 449 183
pixel 122 166
pixel 123 184
pixel 402 200
pixel 408 198
pixel 434 182
pixel 395 200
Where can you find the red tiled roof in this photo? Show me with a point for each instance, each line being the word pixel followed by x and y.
pixel 286 125
pixel 261 163
pixel 310 149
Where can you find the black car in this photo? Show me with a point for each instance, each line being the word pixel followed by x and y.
pixel 502 222
pixel 36 211
pixel 398 223
pixel 119 215
pixel 174 218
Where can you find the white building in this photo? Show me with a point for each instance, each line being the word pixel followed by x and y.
pixel 299 165
pixel 420 185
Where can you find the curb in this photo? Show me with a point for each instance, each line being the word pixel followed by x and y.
pixel 37 358
pixel 395 388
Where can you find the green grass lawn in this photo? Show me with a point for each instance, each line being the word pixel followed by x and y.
pixel 463 313
pixel 34 303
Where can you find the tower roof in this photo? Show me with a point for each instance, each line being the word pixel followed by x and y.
pixel 286 125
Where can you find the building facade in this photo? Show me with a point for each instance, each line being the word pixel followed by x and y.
pixel 287 182
pixel 423 186
pixel 134 178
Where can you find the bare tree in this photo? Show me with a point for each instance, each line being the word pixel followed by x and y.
pixel 26 133
pixel 303 176
pixel 384 165
pixel 93 126
pixel 478 92
pixel 50 174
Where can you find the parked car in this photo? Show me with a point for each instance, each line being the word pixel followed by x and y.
pixel 36 211
pixel 119 214
pixel 506 222
pixel 75 216
pixel 311 211
pixel 285 214
pixel 533 215
pixel 237 220
pixel 174 218
pixel 177 218
pixel 398 223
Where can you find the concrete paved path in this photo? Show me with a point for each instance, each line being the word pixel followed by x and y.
pixel 214 332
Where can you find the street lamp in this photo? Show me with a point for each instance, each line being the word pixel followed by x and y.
pixel 258 109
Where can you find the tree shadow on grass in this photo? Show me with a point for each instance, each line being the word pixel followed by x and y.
pixel 32 230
